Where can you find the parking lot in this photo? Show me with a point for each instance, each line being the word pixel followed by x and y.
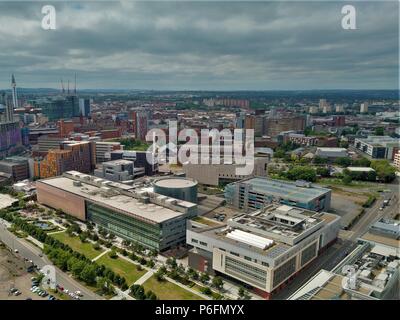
pixel 13 275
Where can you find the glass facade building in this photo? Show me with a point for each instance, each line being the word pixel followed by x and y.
pixel 125 226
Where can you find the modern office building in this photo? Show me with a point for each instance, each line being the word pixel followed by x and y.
pixel 16 167
pixel 119 171
pixel 135 214
pixel 216 174
pixel 278 124
pixel 84 107
pixel 142 159
pixel 73 155
pixel 104 150
pixel 396 160
pixel 364 107
pixel 59 107
pixel 264 249
pixel 10 138
pixel 256 193
pixel 378 147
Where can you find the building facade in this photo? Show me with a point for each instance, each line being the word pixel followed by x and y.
pixel 152 220
pixel 256 193
pixel 265 249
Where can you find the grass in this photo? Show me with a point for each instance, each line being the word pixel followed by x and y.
pixel 122 267
pixel 76 245
pixel 166 290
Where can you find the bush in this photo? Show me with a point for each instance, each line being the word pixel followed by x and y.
pixel 113 254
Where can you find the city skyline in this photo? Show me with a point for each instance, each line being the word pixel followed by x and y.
pixel 206 46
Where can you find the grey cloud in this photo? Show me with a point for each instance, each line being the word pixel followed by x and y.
pixel 198 45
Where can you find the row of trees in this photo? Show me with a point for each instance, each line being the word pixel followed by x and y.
pixel 139 293
pixel 68 260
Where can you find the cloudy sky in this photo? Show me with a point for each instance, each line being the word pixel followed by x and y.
pixel 201 45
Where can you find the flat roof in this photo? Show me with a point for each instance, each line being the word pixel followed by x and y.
pixel 126 204
pixel 175 183
pixel 332 149
pixel 285 189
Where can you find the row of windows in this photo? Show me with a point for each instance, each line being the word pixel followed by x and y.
pixel 284 271
pixel 308 254
pixel 245 271
pixel 201 242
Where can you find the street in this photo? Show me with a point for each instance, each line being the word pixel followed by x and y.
pixel 30 252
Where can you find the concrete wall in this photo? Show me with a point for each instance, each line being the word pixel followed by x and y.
pixel 57 199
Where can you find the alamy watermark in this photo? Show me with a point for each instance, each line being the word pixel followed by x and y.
pixel 211 147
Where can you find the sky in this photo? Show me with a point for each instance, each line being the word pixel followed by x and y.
pixel 189 45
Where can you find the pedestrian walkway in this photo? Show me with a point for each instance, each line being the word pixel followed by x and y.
pixel 36 242
pixel 144 278
pixel 100 255
pixel 205 297
pixel 50 233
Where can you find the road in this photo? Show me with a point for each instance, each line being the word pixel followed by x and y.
pixel 29 251
pixel 373 214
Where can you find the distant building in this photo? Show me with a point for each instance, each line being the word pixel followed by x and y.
pixel 104 149
pixel 118 171
pixel 263 250
pixel 331 153
pixel 84 107
pixel 396 160
pixel 364 107
pixel 215 174
pixel 273 126
pixel 60 107
pixel 16 167
pixel 141 159
pixel 378 147
pixel 256 193
pixel 72 155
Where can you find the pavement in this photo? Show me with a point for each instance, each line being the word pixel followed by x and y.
pixel 31 252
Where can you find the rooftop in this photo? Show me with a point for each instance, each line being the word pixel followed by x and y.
pixel 293 190
pixel 272 231
pixel 175 183
pixel 124 198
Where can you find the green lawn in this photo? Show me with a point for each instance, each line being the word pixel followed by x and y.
pixel 166 290
pixel 76 245
pixel 122 267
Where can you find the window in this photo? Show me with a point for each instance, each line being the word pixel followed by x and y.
pixel 195 241
pixel 203 243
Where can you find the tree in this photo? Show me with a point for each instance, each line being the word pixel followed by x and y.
pixel 150 295
pixel 204 278
pixel 217 282
pixel 113 254
pixel 88 274
pixel 384 171
pixel 320 160
pixel 379 131
pixel 77 268
pixel 323 172
pixel 347 179
pixel 138 292
pixel 172 262
pixel 302 173
pixel 206 290
pixel 343 161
